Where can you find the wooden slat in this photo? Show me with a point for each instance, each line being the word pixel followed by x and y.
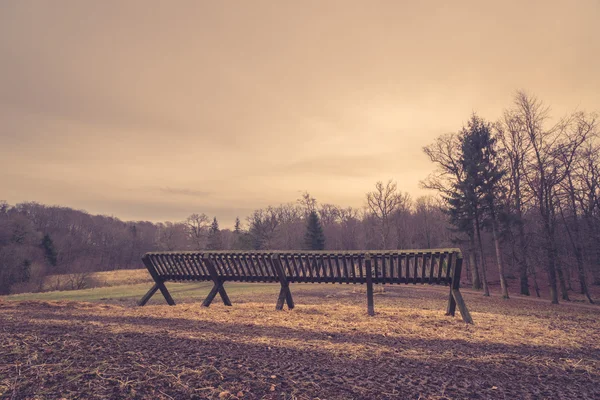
pixel 415 268
pixel 246 259
pixel 337 267
pixel 347 274
pixel 431 267
pixel 182 262
pixel 440 264
pixel 173 274
pixel 287 268
pixel 449 266
pixel 159 270
pixel 423 267
pixel 257 270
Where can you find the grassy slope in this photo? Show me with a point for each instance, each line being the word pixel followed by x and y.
pixel 132 293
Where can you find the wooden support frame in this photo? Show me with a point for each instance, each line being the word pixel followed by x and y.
pixel 158 285
pixel 217 285
pixel 286 267
pixel 285 295
pixel 455 297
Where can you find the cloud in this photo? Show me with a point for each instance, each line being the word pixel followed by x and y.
pixel 184 192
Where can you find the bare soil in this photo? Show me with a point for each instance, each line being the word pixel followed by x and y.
pixel 326 348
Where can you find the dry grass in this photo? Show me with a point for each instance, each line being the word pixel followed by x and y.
pixel 97 279
pixel 325 348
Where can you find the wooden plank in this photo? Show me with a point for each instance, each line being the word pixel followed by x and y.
pixel 440 264
pixel 315 265
pixel 169 272
pixel 191 266
pixel 173 259
pixel 200 262
pixel 464 312
pixel 173 274
pixel 158 281
pixel 359 260
pixel 306 261
pixel 346 271
pixel 337 268
pixel 211 295
pixel 415 268
pixel 184 267
pixel 449 264
pixel 370 305
pixel 328 265
pixel 158 268
pixel 148 295
pixel 297 271
pixel 258 272
pixel 423 267
pixel 431 265
pixel 407 266
pixel 284 294
pixel 234 259
pixel 286 264
pixel 455 284
pixel 217 281
pixel 250 266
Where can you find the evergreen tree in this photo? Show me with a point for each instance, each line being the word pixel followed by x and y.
pixel 238 226
pixel 482 183
pixel 214 236
pixel 314 239
pixel 49 250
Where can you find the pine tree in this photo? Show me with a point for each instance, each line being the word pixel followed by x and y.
pixel 49 250
pixel 238 226
pixel 483 176
pixel 314 239
pixel 214 236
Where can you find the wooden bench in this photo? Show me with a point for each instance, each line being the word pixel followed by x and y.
pixel 438 266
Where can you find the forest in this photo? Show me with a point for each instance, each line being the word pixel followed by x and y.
pixel 520 196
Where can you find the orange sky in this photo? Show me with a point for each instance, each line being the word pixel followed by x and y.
pixel 153 109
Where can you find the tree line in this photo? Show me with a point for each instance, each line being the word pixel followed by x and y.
pixel 532 185
pixel 38 240
pixel 520 195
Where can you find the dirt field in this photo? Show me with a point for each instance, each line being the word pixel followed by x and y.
pixel 326 348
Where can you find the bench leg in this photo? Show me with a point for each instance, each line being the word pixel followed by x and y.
pixel 370 306
pixel 224 296
pixel 148 295
pixel 451 308
pixel 455 297
pixel 285 296
pixel 217 288
pixel 464 312
pixel 165 293
pixel 163 289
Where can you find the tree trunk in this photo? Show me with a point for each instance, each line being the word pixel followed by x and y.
pixel 522 245
pixel 503 285
pixel 486 289
pixel 563 285
pixel 474 264
pixel 535 283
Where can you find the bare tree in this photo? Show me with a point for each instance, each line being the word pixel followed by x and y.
pixel 383 203
pixel 547 165
pixel 197 226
